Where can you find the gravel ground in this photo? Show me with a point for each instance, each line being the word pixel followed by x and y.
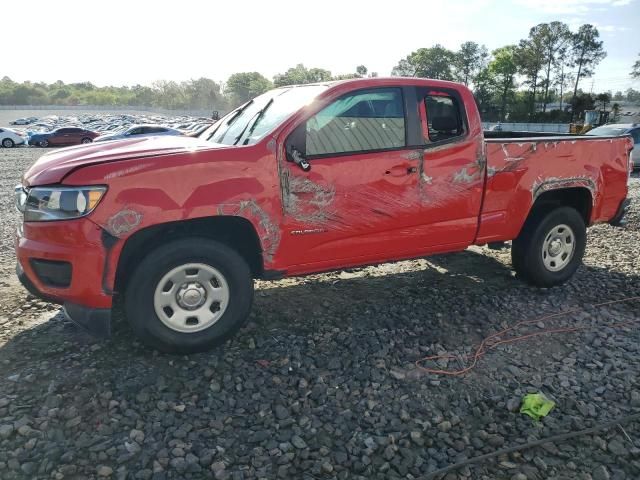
pixel 321 383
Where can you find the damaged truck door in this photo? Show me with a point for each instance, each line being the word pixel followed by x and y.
pixel 359 197
pixel 452 177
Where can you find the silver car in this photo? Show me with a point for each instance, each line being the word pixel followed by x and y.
pixel 615 129
pixel 137 131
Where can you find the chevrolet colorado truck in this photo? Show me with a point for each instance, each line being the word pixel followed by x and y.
pixel 302 179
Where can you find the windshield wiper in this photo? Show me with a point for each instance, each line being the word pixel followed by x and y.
pixel 258 116
pixel 228 123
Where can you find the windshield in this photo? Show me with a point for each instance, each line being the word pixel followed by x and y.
pixel 608 131
pixel 252 121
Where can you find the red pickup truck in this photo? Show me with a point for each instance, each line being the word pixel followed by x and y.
pixel 299 180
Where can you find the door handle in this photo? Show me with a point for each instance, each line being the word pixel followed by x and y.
pixel 401 170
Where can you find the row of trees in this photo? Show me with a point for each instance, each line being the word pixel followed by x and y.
pixel 519 82
pixel 194 94
pixel 200 94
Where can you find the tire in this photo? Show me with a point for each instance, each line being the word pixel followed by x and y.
pixel 86 140
pixel 7 143
pixel 43 143
pixel 151 290
pixel 550 247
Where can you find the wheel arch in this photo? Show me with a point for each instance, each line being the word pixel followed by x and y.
pixel 578 197
pixel 236 232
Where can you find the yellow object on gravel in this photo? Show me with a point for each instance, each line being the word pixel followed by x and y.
pixel 536 405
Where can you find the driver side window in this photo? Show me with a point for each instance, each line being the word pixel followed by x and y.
pixel 363 121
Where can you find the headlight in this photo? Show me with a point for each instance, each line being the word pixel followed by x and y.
pixel 43 204
pixel 21 198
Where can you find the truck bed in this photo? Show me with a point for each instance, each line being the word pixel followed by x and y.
pixel 521 169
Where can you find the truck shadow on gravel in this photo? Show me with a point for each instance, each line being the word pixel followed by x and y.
pixel 449 299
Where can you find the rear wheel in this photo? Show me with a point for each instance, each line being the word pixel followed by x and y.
pixel 189 295
pixel 550 247
pixel 7 143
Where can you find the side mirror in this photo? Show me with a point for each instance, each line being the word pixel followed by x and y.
pixel 300 160
pixel 295 147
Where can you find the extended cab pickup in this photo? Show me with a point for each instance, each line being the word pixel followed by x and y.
pixel 299 180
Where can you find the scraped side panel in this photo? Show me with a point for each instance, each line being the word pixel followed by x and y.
pixel 519 171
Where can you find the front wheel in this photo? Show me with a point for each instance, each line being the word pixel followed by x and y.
pixel 7 143
pixel 86 140
pixel 43 143
pixel 550 247
pixel 189 295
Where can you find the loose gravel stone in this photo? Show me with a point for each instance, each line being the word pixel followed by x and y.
pixel 104 471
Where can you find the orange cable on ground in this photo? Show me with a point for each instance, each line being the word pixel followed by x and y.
pixel 487 344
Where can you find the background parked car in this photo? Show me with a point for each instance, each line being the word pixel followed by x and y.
pixel 10 138
pixel 615 129
pixel 140 131
pixel 24 121
pixel 63 136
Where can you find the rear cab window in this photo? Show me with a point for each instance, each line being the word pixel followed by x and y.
pixel 443 116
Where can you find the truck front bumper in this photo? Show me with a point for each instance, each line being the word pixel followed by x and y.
pixel 618 219
pixel 64 262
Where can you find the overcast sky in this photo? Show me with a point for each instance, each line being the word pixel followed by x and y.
pixel 134 41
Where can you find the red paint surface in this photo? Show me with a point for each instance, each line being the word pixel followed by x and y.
pixel 347 211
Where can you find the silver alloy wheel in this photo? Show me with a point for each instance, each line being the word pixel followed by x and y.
pixel 44 143
pixel 86 140
pixel 7 143
pixel 191 297
pixel 558 248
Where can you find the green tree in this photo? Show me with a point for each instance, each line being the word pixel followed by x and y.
pixel 615 112
pixel 556 36
pixel 581 102
pixel 203 93
pixel 503 69
pixel 603 98
pixel 587 52
pixel 632 95
pixel 483 89
pixel 170 94
pixel 635 71
pixel 242 87
pixel 434 62
pixel 469 61
pixel 404 68
pixel 300 75
pixel 529 58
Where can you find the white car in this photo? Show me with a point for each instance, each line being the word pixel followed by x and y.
pixel 10 138
pixel 137 131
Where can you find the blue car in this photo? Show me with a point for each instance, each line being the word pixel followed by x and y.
pixel 137 131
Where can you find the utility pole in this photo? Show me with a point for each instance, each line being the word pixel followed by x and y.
pixel 561 87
